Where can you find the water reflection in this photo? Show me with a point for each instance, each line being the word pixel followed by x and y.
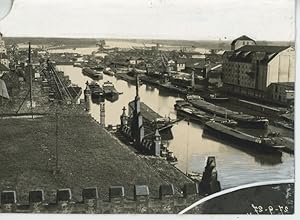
pixel 235 166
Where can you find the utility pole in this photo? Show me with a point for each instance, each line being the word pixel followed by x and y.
pixel 102 113
pixel 30 77
pixel 56 140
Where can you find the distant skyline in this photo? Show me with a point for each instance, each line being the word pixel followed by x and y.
pixel 272 20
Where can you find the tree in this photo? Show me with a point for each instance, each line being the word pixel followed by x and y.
pixel 101 44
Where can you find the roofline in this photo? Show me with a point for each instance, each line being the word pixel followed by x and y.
pixel 277 54
pixel 235 40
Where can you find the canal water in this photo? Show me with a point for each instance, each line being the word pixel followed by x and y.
pixel 235 166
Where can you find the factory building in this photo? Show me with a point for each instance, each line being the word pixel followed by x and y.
pixel 249 70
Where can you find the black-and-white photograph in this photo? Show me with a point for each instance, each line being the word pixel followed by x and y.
pixel 147 106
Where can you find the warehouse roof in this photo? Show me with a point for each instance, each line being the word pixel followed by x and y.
pixel 259 48
pixel 249 52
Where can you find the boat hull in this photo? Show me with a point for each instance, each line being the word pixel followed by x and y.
pixel 241 142
pixel 111 96
pixel 251 123
pixel 92 74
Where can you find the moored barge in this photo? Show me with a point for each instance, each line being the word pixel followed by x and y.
pixel 244 120
pixel 186 110
pixel 92 73
pixel 264 144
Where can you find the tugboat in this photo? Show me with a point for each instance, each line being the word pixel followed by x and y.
pixel 92 73
pixel 109 91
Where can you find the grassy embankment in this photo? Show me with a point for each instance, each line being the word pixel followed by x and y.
pixel 87 156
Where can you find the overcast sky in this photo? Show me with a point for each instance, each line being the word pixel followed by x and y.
pixel 161 19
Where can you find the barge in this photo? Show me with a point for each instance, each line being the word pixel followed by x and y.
pixel 190 113
pixel 92 73
pixel 243 120
pixel 172 88
pixel 264 144
pixel 149 80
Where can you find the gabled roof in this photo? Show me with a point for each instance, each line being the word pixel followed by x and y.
pixel 247 53
pixel 244 37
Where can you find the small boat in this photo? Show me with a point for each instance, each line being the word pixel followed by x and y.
pixel 228 122
pixel 215 98
pixel 77 64
pixel 109 72
pixel 109 91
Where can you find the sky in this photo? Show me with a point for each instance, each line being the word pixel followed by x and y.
pixel 152 19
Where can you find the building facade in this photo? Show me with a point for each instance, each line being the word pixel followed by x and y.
pixel 251 69
pixel 180 65
pixel 282 92
pixel 2 44
pixel 3 53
